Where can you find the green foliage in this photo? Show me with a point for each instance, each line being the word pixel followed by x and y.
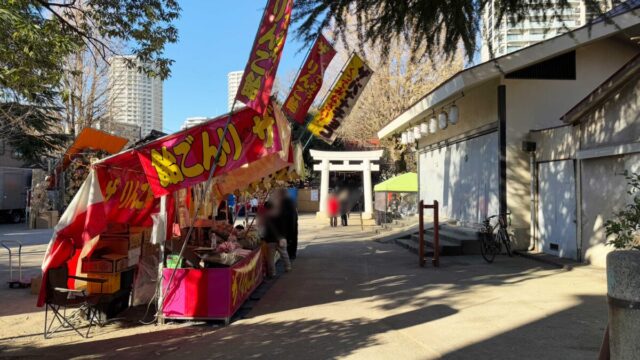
pixel 37 37
pixel 32 52
pixel 430 26
pixel 625 226
pixel 31 131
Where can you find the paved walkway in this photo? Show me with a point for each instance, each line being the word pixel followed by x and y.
pixel 349 297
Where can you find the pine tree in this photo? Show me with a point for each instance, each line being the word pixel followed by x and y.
pixel 430 26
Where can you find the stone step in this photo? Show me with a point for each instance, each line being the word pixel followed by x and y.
pixel 447 247
pixel 454 240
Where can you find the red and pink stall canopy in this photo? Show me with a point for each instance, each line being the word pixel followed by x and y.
pixel 125 188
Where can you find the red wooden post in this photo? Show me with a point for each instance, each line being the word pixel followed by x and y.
pixel 436 235
pixel 421 261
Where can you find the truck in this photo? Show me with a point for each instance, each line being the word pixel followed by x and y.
pixel 15 185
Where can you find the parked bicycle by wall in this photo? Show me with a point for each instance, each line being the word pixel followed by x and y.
pixel 495 236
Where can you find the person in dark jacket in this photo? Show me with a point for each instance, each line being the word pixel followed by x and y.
pixel 271 234
pixel 288 219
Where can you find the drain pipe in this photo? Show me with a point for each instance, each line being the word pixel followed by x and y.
pixel 530 147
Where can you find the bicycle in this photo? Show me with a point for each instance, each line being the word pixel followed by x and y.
pixel 494 236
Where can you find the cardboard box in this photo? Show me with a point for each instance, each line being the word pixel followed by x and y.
pixel 149 249
pixel 145 231
pixel 133 256
pixel 36 283
pixel 115 228
pixel 109 263
pixel 119 244
pixel 112 285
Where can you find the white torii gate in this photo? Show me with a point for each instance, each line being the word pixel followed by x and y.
pixel 346 161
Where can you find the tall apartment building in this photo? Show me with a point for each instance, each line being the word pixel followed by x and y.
pixel 134 98
pixel 504 38
pixel 233 82
pixel 193 121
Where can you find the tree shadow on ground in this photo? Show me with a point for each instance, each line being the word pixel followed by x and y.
pixel 329 269
pixel 546 338
pixel 389 275
pixel 304 338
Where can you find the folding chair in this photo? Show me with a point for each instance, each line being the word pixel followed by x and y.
pixel 59 298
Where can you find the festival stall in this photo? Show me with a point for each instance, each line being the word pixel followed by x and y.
pixel 235 267
pixel 396 197
pixel 132 214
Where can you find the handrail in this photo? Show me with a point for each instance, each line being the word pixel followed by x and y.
pixel 4 243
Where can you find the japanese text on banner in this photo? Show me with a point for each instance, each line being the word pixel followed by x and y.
pixel 309 80
pixel 185 159
pixel 260 72
pixel 341 99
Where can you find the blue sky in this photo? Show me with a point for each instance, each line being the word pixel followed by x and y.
pixel 215 38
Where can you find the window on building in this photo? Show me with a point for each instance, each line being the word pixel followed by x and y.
pixel 562 67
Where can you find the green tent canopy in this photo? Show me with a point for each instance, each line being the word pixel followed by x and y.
pixel 402 183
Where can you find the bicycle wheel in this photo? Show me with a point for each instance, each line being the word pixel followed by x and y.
pixel 487 248
pixel 504 237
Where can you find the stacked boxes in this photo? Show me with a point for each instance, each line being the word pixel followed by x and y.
pixel 147 247
pixel 117 249
pixel 112 285
pixel 124 244
pixel 109 263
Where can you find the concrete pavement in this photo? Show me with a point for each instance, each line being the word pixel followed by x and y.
pixel 350 297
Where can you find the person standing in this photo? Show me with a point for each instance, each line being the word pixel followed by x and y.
pixel 288 219
pixel 344 206
pixel 271 235
pixel 332 209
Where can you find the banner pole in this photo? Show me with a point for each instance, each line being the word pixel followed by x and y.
pixel 324 98
pixel 215 163
pixel 295 79
pixel 308 142
pixel 199 205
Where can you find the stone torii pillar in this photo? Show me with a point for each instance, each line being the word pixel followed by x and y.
pixel 346 161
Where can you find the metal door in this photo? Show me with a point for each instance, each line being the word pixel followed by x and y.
pixel 463 177
pixel 557 209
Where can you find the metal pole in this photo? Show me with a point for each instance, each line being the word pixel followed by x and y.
pixel 308 141
pixel 502 148
pixel 421 261
pixel 160 316
pixel 203 196
pixel 324 98
pixel 436 235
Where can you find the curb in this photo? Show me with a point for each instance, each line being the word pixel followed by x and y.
pixel 545 260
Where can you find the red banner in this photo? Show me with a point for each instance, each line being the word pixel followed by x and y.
pixel 128 197
pixel 245 278
pixel 185 158
pixel 260 72
pixel 309 80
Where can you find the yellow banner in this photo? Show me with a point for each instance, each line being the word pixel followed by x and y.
pixel 341 99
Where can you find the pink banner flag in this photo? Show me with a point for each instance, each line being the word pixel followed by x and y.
pixel 309 80
pixel 260 72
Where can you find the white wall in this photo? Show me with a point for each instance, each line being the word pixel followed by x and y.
pixel 604 192
pixel 539 104
pixel 615 121
pixel 463 177
pixel 477 108
pixel 465 189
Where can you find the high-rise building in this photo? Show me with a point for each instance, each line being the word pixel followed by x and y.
pixel 233 83
pixel 134 98
pixel 502 38
pixel 193 121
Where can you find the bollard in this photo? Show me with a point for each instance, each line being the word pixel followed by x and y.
pixel 623 296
